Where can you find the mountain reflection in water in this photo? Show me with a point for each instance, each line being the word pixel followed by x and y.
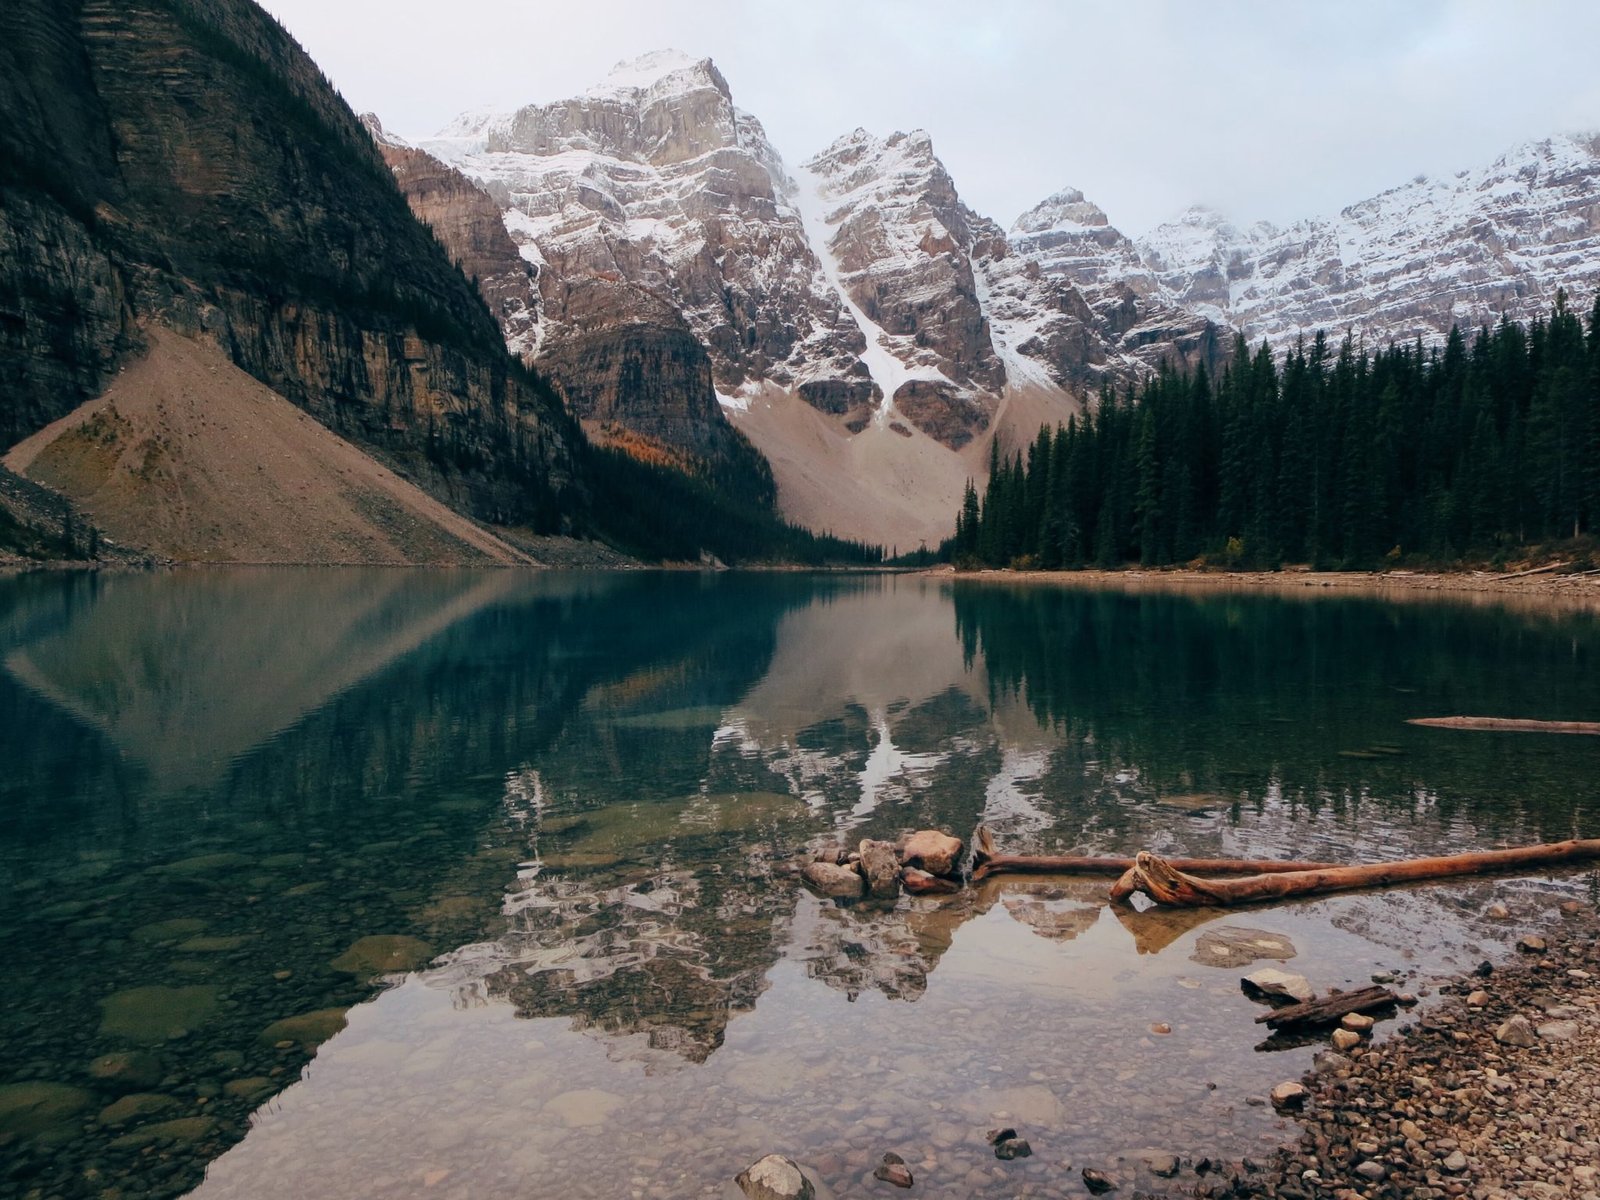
pixel 568 803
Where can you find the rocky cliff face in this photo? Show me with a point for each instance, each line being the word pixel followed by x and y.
pixel 623 359
pixel 467 221
pixel 1409 262
pixel 187 165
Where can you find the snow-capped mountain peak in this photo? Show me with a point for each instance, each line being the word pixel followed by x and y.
pixel 1410 261
pixel 1066 210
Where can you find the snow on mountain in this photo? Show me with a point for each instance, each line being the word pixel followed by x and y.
pixel 655 180
pixel 1069 297
pixel 895 240
pixel 870 333
pixel 1412 261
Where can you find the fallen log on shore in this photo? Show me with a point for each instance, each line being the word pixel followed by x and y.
pixel 1312 1014
pixel 1164 883
pixel 987 862
pixel 1508 725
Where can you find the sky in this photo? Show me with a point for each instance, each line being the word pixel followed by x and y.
pixel 1265 110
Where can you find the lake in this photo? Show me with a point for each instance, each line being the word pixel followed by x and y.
pixel 341 882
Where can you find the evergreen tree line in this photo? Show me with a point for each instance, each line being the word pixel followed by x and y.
pixel 1338 459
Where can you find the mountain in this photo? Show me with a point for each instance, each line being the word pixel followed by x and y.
pixel 1410 262
pixel 847 307
pixel 624 361
pixel 185 166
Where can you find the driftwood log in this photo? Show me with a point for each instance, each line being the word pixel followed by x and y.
pixel 1313 1014
pixel 986 862
pixel 1507 725
pixel 1163 882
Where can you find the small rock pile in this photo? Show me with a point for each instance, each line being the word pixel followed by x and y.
pixel 926 861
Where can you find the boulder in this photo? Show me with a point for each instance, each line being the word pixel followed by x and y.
pixel 932 851
pixel 832 879
pixel 1289 1096
pixel 1163 1166
pixel 1098 1182
pixel 775 1178
pixel 1517 1032
pixel 881 867
pixel 893 1170
pixel 1269 983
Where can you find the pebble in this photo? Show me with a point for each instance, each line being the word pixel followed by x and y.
pixel 1532 944
pixel 1357 1022
pixel 1345 1040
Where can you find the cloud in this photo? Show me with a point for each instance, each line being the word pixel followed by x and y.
pixel 1265 110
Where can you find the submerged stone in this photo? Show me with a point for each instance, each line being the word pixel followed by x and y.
pixel 166 931
pixel 130 1108
pixel 32 1108
pixel 131 1069
pixel 383 954
pixel 256 1087
pixel 584 1107
pixel 201 864
pixel 154 1014
pixel 775 1178
pixel 211 945
pixel 182 1129
pixel 309 1029
pixel 1237 946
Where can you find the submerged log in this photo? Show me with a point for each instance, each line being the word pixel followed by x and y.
pixel 987 862
pixel 1508 725
pixel 1164 883
pixel 1328 1010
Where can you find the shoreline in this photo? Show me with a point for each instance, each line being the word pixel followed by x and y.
pixel 1580 590
pixel 1492 1093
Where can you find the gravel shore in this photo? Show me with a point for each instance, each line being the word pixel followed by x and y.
pixel 1492 1094
pixel 1566 588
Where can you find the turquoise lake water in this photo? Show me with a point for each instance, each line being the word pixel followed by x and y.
pixel 334 882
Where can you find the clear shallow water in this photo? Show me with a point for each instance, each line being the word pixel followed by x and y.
pixel 523 837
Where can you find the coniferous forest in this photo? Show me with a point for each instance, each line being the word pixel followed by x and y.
pixel 1339 457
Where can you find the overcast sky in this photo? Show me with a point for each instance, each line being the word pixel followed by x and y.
pixel 1271 110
